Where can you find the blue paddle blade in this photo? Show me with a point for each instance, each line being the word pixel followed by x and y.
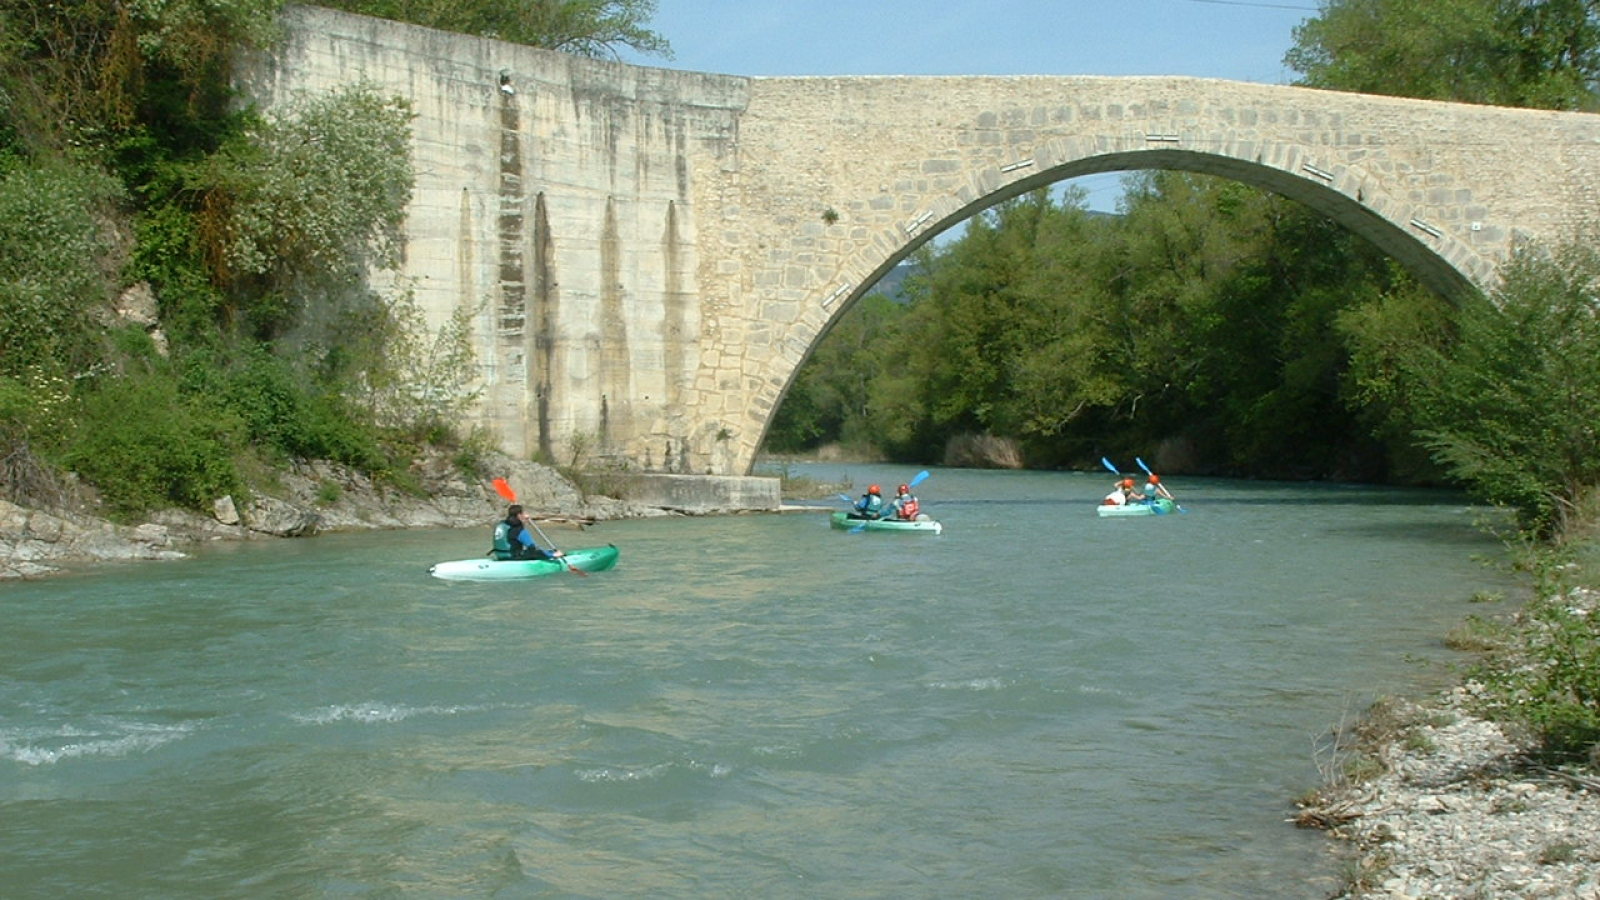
pixel 846 499
pixel 1107 463
pixel 1142 465
pixel 921 477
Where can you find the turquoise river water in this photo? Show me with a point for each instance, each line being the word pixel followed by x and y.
pixel 1035 704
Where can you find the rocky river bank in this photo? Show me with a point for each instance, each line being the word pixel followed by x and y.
pixel 1433 801
pixel 310 498
pixel 1462 812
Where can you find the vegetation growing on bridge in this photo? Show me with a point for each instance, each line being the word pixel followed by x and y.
pixel 592 28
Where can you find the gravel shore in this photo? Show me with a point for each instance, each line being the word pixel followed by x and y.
pixel 1462 811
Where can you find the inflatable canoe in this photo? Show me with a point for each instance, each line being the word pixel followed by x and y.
pixel 921 524
pixel 589 559
pixel 1158 507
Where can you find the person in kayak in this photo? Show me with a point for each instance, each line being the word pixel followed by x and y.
pixel 513 539
pixel 1153 489
pixel 1122 493
pixel 870 506
pixel 905 504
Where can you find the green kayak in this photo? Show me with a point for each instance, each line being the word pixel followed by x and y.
pixel 922 524
pixel 589 559
pixel 1158 507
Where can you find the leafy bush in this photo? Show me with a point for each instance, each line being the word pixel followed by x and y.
pixel 282 411
pixel 169 255
pixel 146 447
pixel 50 239
pixel 1551 681
pixel 1504 391
pixel 406 376
pixel 315 191
pixel 28 408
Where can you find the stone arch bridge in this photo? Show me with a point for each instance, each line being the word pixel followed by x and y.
pixel 648 255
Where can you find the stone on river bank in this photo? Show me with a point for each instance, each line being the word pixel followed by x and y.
pixel 311 498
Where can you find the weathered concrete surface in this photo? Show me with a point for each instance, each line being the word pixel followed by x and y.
pixel 649 254
pixel 703 494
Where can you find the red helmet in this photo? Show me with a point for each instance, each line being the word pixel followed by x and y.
pixel 1154 478
pixel 905 488
pixel 874 490
pixel 1127 482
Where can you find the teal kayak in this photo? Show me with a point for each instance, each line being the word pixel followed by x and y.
pixel 1157 507
pixel 589 559
pixel 922 524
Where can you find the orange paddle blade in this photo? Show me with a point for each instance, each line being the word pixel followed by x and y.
pixel 505 490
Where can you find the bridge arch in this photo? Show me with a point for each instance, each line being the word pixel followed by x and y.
pixel 664 249
pixel 1395 231
pixel 1445 264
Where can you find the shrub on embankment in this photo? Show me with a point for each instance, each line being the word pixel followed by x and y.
pixel 184 301
pixel 1542 673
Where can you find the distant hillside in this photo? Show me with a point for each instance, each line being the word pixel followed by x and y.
pixel 892 284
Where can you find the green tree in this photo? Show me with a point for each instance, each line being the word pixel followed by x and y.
pixel 1534 53
pixel 306 201
pixel 831 397
pixel 52 231
pixel 1504 392
pixel 593 28
pixel 1232 293
pixel 78 71
pixel 1004 335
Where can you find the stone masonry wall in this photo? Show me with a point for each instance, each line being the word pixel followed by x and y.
pixel 650 254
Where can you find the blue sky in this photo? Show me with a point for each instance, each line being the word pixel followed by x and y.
pixel 1237 39
pixel 1242 40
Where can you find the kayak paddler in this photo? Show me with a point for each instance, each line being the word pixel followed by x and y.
pixel 870 506
pixel 513 539
pixel 905 504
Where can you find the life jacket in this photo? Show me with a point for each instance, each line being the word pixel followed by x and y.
pixel 506 535
pixel 908 509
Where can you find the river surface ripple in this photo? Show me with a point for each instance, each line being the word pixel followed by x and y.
pixel 1036 704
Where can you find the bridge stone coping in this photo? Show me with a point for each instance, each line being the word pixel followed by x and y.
pixel 649 255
